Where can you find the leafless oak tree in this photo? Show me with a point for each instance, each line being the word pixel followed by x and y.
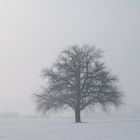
pixel 79 79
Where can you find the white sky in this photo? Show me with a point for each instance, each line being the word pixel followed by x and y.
pixel 33 32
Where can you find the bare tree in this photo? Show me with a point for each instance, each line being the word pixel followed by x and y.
pixel 79 79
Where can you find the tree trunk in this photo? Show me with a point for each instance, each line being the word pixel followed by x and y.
pixel 77 116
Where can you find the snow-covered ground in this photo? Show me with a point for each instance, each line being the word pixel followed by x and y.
pixel 66 129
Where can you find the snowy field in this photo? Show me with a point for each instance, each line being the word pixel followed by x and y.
pixel 66 129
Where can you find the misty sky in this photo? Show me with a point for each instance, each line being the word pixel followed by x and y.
pixel 33 32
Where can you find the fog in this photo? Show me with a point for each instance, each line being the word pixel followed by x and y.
pixel 33 33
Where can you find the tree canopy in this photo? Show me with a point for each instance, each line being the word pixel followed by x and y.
pixel 79 79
